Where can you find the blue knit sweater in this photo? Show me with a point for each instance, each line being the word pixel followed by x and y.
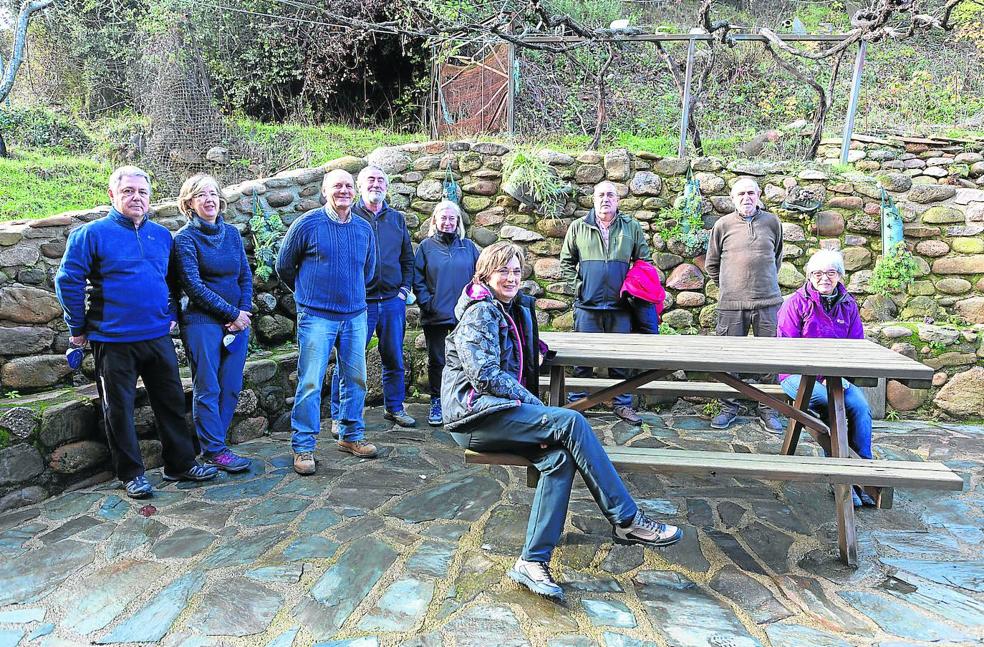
pixel 328 264
pixel 213 272
pixel 126 268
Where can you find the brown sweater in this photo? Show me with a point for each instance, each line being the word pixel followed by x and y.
pixel 743 258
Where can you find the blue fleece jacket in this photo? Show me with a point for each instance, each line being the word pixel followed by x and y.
pixel 213 272
pixel 328 264
pixel 443 266
pixel 394 254
pixel 128 283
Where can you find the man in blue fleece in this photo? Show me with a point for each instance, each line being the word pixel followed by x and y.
pixel 121 263
pixel 386 293
pixel 327 258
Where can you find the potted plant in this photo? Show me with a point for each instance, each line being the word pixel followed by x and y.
pixel 534 183
pixel 682 226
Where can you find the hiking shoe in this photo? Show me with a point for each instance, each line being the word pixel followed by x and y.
pixel 402 418
pixel 724 419
pixel 139 487
pixel 227 461
pixel 862 498
pixel 536 577
pixel 647 532
pixel 336 429
pixel 771 422
pixel 359 448
pixel 435 417
pixel 304 463
pixel 195 473
pixel 628 414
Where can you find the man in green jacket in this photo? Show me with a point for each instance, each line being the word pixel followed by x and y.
pixel 597 253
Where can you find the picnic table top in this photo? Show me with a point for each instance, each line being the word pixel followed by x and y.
pixel 849 358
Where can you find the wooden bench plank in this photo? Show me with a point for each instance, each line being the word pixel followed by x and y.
pixel 879 473
pixel 666 388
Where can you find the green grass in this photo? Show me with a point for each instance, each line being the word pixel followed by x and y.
pixel 320 144
pixel 36 185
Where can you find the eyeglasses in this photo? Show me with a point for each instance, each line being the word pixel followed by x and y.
pixel 830 274
pixel 506 273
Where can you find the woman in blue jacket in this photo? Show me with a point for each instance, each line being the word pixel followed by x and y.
pixel 443 266
pixel 215 275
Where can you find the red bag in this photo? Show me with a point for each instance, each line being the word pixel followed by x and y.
pixel 642 281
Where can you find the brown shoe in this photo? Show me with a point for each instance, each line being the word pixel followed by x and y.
pixel 359 448
pixel 304 463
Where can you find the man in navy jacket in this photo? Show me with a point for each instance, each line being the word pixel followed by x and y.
pixel 386 292
pixel 121 261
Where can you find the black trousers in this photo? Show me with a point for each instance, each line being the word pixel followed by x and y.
pixel 435 335
pixel 118 365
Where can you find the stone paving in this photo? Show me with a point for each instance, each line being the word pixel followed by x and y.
pixel 412 549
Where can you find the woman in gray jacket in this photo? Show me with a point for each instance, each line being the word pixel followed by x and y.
pixel 492 363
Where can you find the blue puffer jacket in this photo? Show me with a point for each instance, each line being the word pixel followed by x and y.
pixel 493 356
pixel 129 287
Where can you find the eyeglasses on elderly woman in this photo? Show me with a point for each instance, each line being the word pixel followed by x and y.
pixel 830 274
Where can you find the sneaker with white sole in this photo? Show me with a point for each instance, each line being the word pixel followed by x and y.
pixel 336 429
pixel 536 577
pixel 647 532
pixel 194 473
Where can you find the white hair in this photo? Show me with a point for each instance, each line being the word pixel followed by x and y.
pixel 441 206
pixel 365 171
pixel 826 258
pixel 126 171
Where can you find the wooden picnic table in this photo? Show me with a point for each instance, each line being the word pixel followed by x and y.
pixel 656 356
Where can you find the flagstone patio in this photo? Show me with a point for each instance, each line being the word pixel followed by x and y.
pixel 412 549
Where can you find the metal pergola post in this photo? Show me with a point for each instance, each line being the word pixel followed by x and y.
pixel 685 113
pixel 852 107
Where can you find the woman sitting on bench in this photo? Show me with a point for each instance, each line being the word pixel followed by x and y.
pixel 824 308
pixel 492 362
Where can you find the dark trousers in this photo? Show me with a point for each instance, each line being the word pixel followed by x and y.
pixel 619 321
pixel 118 365
pixel 434 336
pixel 736 323
pixel 645 319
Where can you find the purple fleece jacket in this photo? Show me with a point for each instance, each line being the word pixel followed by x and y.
pixel 802 315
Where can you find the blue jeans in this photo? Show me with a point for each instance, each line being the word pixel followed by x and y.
pixel 315 339
pixel 619 320
pixel 855 407
pixel 645 319
pixel 572 447
pixel 218 379
pixel 388 320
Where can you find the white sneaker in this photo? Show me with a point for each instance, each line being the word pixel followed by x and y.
pixel 647 532
pixel 336 428
pixel 536 577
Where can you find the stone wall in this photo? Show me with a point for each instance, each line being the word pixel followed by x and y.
pixel 942 315
pixel 55 440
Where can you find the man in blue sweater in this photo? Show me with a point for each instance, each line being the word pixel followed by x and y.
pixel 327 258
pixel 386 293
pixel 121 262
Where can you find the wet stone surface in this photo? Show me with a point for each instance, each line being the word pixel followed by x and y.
pixel 412 549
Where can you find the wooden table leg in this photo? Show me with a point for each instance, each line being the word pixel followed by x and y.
pixel 556 396
pixel 846 532
pixel 802 403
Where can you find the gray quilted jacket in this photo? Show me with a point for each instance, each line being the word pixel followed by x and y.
pixel 488 350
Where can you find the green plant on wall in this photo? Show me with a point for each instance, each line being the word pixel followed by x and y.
pixel 685 221
pixel 267 230
pixel 534 183
pixel 894 272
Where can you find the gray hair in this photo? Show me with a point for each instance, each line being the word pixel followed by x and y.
pixel 441 206
pixel 826 258
pixel 126 171
pixel 365 171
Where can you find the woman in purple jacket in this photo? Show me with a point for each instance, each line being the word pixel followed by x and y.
pixel 824 308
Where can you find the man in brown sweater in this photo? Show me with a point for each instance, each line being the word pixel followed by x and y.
pixel 743 258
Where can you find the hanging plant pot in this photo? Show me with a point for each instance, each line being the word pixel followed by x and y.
pixel 520 191
pixel 534 183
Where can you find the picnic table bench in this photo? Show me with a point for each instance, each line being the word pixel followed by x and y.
pixel 657 356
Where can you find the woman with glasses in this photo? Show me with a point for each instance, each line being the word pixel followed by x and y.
pixel 443 266
pixel 215 274
pixel 489 406
pixel 824 308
